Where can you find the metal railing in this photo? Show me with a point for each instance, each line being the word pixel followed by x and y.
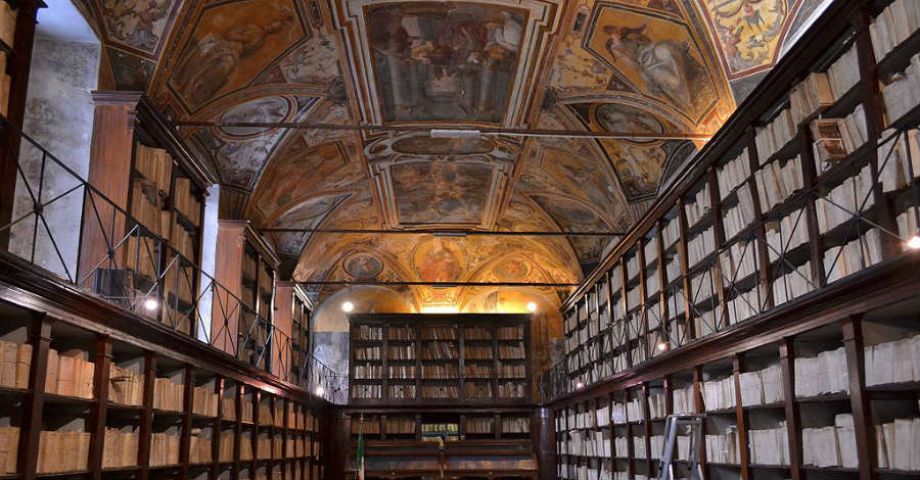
pixel 68 227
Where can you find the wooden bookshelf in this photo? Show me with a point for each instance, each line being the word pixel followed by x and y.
pixel 795 195
pixel 458 359
pixel 153 215
pixel 134 399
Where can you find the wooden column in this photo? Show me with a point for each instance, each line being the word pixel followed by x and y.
pixel 111 160
pixel 185 434
pixel 225 311
pixel 283 322
pixel 146 427
pixel 741 418
pixel 99 409
pixel 18 67
pixel 545 436
pixel 859 399
pixel 793 422
pixel 40 338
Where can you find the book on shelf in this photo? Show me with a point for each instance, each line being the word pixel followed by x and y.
pixel 787 233
pixel 367 353
pixel 400 333
pixel 854 256
pixel 369 425
pixel 119 448
pixel 167 395
pixel 791 285
pixel 147 208
pixel 775 135
pixel 369 332
pixel 477 390
pixel 512 390
pixel 700 246
pixel 821 374
pixel 909 222
pixel 839 205
pixel 185 201
pixel 228 407
pixel 478 425
pixel 656 406
pixel 155 165
pixel 477 333
pixel 510 333
pixel 897 158
pixel 736 218
pixel 475 352
pixel 366 391
pixel 762 387
pixel 695 208
pixel 126 386
pixel 513 371
pixel 204 402
pixel 477 370
pixel 440 350
pixel 897 443
pixel 893 26
pixel 777 181
pixel 69 374
pixel 400 426
pixel 401 352
pixel 265 414
pixel 440 372
pixel 682 400
pixel 263 448
pixel 901 92
pixel 440 392
pixel 718 394
pixel 400 371
pixel 831 446
pixel 895 361
pixel 245 448
pixel 368 372
pixel 15 364
pixel 512 351
pixel 199 447
pixel 769 446
pixel 63 451
pixel 439 333
pixel 739 261
pixel 843 74
pixel 723 448
pixel 809 96
pixel 9 450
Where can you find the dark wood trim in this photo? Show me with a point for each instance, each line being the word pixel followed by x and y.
pixel 146 420
pixel 40 338
pixel 860 406
pixel 99 410
pixel 790 407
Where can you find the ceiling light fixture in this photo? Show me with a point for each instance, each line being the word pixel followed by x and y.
pixel 580 385
pixel 151 304
pixel 531 307
pixel 914 242
pixel 348 307
pixel 319 391
pixel 662 346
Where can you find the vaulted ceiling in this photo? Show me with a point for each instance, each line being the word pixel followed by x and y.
pixel 647 66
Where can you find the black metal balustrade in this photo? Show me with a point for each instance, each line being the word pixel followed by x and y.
pixel 139 270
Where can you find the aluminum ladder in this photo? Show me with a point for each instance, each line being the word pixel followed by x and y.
pixel 692 425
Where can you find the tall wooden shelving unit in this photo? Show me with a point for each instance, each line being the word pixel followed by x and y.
pixel 693 308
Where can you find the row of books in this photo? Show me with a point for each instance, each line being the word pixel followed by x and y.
pixel 775 135
pixel 723 448
pixel 515 425
pixel 701 246
pixel 777 181
pixel 854 256
pixel 147 207
pixel 696 207
pixel 909 222
pixel 199 448
pixel 185 201
pixel 15 364
pixel 894 26
pixel 142 257
pixel 477 352
pixel 743 306
pixel 439 350
pixel 900 94
pixel 511 352
pixel 510 333
pixel 831 446
pixel 718 394
pixel 400 333
pixel 369 425
pixel 824 373
pixel 477 333
pixel 736 218
pixel 439 333
pixel 63 451
pixel 793 284
pixel 477 390
pixel 769 446
pixel 120 448
pixel 69 374
pixel 400 425
pixel 363 372
pixel 897 158
pixel 512 390
pixel 366 391
pixel 401 352
pixel 670 231
pixel 513 371
pixel 440 392
pixel 9 447
pixel 477 370
pixel 810 95
pixel 843 74
pixel 401 392
pixel 126 386
pixel 400 371
pixel 896 361
pixel 440 372
pixel 167 395
pixel 898 443
pixel 787 233
pixel 367 353
pixel 478 425
pixel 204 402
pixel 853 195
pixel 183 242
pixel 155 165
pixel 762 387
pixel 369 332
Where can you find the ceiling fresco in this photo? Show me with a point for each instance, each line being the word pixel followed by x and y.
pixel 655 67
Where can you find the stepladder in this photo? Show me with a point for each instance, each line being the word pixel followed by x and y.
pixel 690 427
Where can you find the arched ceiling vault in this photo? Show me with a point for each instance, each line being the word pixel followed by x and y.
pixel 651 66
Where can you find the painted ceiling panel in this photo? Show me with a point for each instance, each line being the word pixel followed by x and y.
pixel 651 67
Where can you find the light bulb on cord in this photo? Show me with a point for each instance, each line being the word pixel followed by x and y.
pixel 914 242
pixel 580 385
pixel 319 391
pixel 151 304
pixel 531 306
pixel 348 307
pixel 662 346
